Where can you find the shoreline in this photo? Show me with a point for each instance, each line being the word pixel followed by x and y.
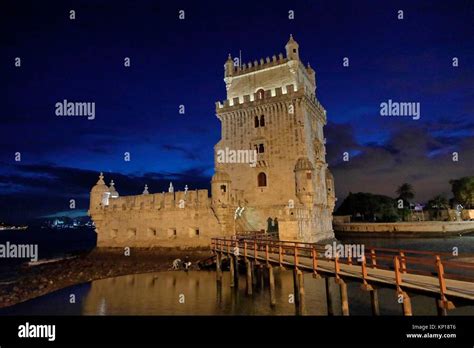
pixel 100 263
pixel 418 229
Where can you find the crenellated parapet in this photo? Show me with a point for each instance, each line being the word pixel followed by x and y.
pixel 195 199
pixel 259 64
pixel 276 95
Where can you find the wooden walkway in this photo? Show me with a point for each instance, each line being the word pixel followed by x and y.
pixel 405 270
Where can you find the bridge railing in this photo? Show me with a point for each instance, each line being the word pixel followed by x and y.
pixel 429 263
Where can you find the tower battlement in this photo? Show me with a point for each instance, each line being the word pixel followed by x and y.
pixel 259 64
pixel 262 64
pixel 160 201
pixel 270 96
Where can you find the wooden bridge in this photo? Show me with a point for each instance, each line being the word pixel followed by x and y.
pixel 429 273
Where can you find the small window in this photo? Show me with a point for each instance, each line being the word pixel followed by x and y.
pixel 262 121
pixel 294 50
pixel 223 188
pixel 262 180
pixel 256 122
pixel 260 94
pixel 261 148
pixel 131 232
pixel 171 232
pixel 308 175
pixel 114 233
pixel 193 232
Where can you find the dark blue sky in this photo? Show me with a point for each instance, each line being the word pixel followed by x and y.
pixel 176 62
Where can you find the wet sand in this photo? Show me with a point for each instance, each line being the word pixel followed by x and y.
pixel 34 281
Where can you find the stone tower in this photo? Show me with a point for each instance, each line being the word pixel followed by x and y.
pixel 271 108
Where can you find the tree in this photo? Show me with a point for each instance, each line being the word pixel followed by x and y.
pixel 463 191
pixel 405 192
pixel 437 203
pixel 368 207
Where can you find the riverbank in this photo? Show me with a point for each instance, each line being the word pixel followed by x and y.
pixel 35 281
pixel 419 229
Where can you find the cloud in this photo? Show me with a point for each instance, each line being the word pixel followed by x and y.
pixel 30 191
pixel 189 154
pixel 407 156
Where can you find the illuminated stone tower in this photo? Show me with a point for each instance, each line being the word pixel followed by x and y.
pixel 271 107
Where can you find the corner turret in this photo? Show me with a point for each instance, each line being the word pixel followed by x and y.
pixel 304 181
pixel 229 67
pixel 220 188
pixel 99 194
pixel 292 49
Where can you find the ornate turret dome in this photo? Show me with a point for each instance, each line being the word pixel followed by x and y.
pixel 303 163
pixel 113 191
pixel 221 176
pixel 100 187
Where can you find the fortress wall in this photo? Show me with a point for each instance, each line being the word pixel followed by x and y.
pixel 165 200
pixel 147 228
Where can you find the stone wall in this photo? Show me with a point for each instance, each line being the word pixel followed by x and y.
pixel 421 228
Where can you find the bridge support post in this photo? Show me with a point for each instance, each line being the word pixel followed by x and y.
pixel 254 273
pixel 261 276
pixel 219 267
pixel 232 271
pixel 344 297
pixel 271 280
pixel 402 295
pixel 219 292
pixel 374 301
pixel 406 304
pixel 329 299
pixel 443 306
pixel 296 289
pixel 442 311
pixel 236 270
pixel 374 298
pixel 301 306
pixel 249 276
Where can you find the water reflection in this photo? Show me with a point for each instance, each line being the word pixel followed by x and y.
pixel 198 293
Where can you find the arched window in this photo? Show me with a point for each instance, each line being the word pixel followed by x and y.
pixel 261 148
pixel 262 121
pixel 262 180
pixel 223 188
pixel 260 94
pixel 256 121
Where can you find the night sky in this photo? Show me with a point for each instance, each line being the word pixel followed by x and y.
pixel 180 62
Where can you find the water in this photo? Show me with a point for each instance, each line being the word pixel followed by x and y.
pixel 464 244
pixel 161 293
pixel 52 243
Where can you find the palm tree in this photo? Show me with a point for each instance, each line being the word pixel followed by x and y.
pixel 463 191
pixel 405 192
pixel 438 203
